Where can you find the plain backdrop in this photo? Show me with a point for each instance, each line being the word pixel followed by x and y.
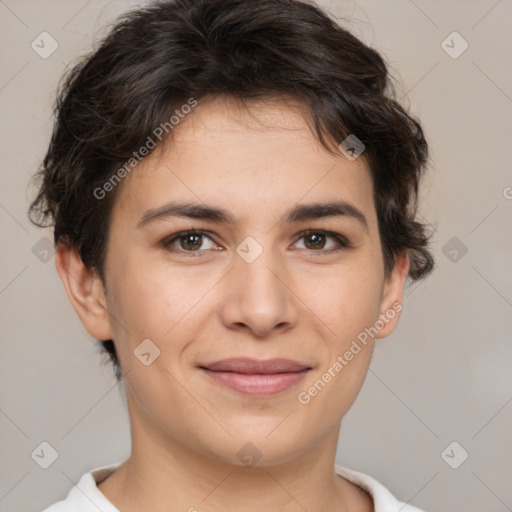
pixel 439 388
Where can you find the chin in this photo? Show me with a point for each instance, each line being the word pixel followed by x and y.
pixel 258 450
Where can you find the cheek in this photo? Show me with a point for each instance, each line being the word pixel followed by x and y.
pixel 350 307
pixel 154 302
pixel 347 297
pixel 349 303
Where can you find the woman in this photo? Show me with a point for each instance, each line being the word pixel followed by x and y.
pixel 233 192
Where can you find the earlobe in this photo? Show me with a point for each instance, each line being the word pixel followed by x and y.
pixel 391 302
pixel 85 291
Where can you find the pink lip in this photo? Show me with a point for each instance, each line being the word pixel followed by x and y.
pixel 253 377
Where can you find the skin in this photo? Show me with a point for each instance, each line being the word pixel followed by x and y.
pixel 209 304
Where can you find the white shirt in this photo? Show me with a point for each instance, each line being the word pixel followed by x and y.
pixel 86 497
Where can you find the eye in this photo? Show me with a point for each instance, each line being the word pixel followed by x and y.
pixel 193 242
pixel 188 241
pixel 318 241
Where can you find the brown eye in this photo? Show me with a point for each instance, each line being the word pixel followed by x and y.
pixel 315 241
pixel 188 242
pixel 191 242
pixel 323 242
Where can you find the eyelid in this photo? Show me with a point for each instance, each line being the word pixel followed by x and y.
pixel 343 241
pixel 193 231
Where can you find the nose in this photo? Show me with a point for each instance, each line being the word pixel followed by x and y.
pixel 257 298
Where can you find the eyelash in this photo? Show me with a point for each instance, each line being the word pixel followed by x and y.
pixel 344 244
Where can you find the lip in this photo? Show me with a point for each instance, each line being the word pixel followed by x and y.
pixel 256 377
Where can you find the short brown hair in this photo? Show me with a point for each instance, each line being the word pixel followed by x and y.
pixel 157 57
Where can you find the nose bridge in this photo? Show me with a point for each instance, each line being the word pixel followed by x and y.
pixel 259 276
pixel 253 269
pixel 258 297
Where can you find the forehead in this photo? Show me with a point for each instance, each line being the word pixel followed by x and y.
pixel 252 159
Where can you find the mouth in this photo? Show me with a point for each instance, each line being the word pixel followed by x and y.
pixel 255 377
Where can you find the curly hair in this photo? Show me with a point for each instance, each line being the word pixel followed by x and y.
pixel 157 57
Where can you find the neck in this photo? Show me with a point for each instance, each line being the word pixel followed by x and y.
pixel 163 474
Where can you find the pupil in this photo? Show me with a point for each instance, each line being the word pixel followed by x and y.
pixel 192 245
pixel 317 239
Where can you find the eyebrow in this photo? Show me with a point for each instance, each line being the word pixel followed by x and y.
pixel 298 213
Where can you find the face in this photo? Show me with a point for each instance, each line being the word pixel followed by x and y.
pixel 248 270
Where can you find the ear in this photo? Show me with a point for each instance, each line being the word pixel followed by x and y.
pixel 85 291
pixel 392 293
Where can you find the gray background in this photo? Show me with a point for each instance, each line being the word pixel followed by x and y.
pixel 443 376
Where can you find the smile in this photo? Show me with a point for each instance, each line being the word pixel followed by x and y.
pixel 256 378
